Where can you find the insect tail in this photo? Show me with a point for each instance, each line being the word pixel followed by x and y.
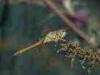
pixel 28 48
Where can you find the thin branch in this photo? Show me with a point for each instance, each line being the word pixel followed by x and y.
pixel 66 21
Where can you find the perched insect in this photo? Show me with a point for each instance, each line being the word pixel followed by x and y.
pixel 53 36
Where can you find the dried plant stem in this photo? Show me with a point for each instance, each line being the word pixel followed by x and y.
pixel 66 21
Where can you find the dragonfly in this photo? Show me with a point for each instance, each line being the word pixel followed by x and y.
pixel 53 36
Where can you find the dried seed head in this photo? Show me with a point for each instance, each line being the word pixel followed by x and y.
pixel 87 56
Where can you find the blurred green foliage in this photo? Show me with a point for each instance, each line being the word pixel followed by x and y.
pixel 21 28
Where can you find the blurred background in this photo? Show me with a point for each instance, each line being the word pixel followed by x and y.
pixel 21 25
